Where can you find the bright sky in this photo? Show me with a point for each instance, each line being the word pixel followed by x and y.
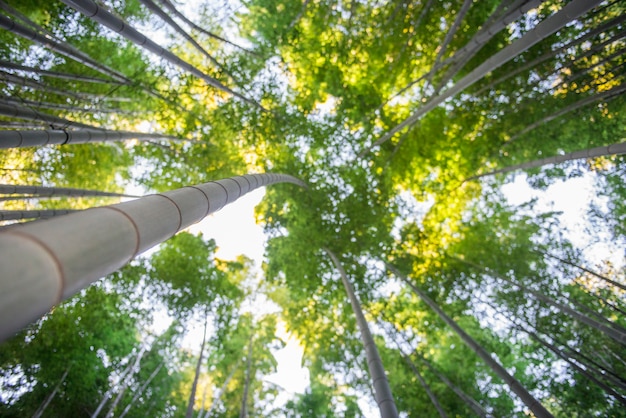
pixel 235 231
pixel 571 197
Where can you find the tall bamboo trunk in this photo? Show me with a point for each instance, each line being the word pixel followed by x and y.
pixel 125 384
pixel 606 150
pixel 584 371
pixel 170 6
pixel 602 300
pixel 21 139
pixel 601 370
pixel 153 7
pixel 218 395
pixel 459 53
pixel 610 353
pixel 37 34
pixel 203 402
pixel 16 14
pixel 608 328
pixel 42 408
pixel 555 52
pixel 140 391
pixel 14 215
pixel 194 386
pixel 55 74
pixel 449 35
pixel 529 400
pixel 243 413
pixel 588 310
pixel 61 48
pixel 604 95
pixel 57 106
pixel 429 392
pixel 107 395
pixel 36 272
pixel 105 18
pixel 21 112
pixel 21 81
pixel 471 402
pixel 56 191
pixel 505 6
pixel 604 371
pixel 552 24
pixel 582 268
pixel 382 390
pixel 484 35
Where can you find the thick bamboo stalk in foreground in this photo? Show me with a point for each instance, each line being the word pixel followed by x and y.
pixel 43 263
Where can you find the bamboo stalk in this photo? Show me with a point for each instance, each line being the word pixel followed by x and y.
pixel 613 149
pixel 529 400
pixel 43 263
pixel 544 29
pixel 382 390
pixel 55 191
pixel 55 74
pixel 20 139
pixel 105 18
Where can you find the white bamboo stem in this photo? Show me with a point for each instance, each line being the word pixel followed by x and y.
pixel 484 35
pixel 43 263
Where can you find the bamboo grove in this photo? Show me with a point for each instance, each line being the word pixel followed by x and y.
pixel 389 135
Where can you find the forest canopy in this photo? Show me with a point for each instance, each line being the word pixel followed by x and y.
pixel 395 140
